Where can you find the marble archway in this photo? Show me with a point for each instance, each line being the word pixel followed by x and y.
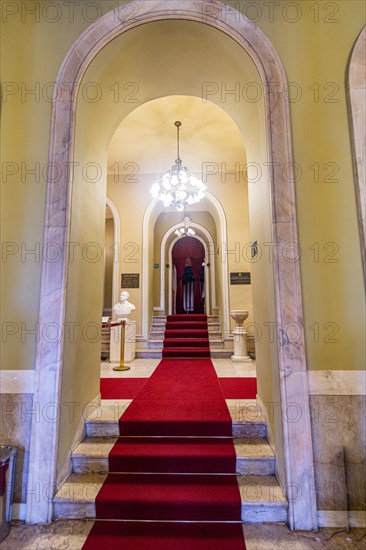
pixel 357 104
pixel 291 355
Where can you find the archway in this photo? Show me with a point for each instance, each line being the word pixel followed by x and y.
pixel 116 236
pixel 291 354
pixel 188 256
pixel 357 104
pixel 210 280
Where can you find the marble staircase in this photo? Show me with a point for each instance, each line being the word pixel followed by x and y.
pixel 262 497
pixel 155 343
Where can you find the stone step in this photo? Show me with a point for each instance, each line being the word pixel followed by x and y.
pixel 248 419
pixel 212 335
pixel 158 344
pixel 151 353
pixel 161 325
pixel 254 456
pixel 162 318
pixel 262 498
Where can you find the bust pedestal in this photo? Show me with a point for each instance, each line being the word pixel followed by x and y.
pixel 240 337
pixel 130 343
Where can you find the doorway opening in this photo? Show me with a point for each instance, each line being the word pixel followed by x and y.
pixel 66 289
pixel 188 257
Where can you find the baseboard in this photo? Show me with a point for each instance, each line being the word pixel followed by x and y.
pixel 331 518
pixel 17 381
pixel 19 511
pixel 66 469
pixel 337 382
pixel 279 476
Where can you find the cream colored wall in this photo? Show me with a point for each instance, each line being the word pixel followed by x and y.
pixel 311 53
pixel 315 52
pixel 331 291
pixel 32 50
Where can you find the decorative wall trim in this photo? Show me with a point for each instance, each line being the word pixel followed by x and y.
pixel 357 105
pixel 116 252
pixel 337 382
pixel 145 301
pixel 288 297
pixel 16 381
pixel 170 277
pixel 331 518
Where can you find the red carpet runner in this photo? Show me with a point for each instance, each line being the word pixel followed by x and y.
pixel 128 388
pixel 186 336
pixel 162 478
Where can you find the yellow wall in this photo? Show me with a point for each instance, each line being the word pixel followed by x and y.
pixel 312 52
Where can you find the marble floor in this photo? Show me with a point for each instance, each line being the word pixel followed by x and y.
pixel 143 368
pixel 70 535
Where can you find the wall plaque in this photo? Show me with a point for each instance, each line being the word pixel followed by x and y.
pixel 130 280
pixel 242 278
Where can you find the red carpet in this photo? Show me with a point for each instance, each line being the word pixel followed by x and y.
pixel 129 535
pixel 179 497
pixel 182 397
pixel 173 454
pixel 180 469
pixel 186 336
pixel 239 388
pixel 128 388
pixel 121 388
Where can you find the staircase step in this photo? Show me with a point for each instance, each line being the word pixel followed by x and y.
pixel 248 421
pixel 150 353
pixel 177 325
pixel 253 456
pixel 261 496
pixel 186 342
pixel 155 535
pixel 186 333
pixel 158 344
pixel 186 352
pixel 187 317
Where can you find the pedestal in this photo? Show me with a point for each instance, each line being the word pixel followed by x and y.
pixel 130 343
pixel 240 346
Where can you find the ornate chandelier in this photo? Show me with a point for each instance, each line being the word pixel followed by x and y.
pixel 177 187
pixel 185 231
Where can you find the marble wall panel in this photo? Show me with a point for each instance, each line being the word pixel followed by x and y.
pixel 16 410
pixel 339 443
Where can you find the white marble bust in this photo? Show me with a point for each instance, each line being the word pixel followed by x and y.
pixel 123 308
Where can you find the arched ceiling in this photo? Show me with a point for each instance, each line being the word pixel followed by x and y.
pixel 141 65
pixel 209 138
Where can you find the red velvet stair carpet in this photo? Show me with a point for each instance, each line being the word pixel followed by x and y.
pixel 186 336
pixel 128 388
pixel 172 482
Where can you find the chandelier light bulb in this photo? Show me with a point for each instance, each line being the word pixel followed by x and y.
pixel 177 187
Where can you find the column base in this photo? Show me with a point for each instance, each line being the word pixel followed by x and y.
pixel 239 359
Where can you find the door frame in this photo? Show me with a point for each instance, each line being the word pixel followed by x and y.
pixel 170 276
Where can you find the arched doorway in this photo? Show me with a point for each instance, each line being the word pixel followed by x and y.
pixel 292 375
pixel 188 257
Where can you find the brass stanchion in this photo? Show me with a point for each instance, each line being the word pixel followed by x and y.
pixel 122 356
